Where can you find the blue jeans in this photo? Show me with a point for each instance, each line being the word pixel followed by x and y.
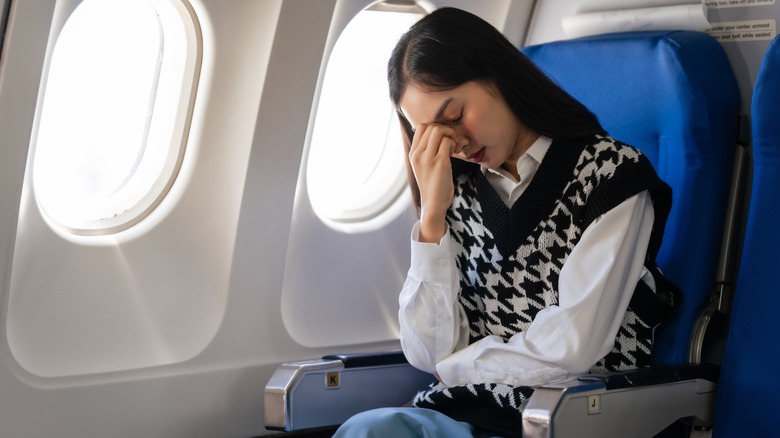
pixel 406 423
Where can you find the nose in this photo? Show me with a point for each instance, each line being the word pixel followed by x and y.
pixel 461 142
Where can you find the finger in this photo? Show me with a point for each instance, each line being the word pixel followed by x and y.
pixel 432 143
pixel 420 140
pixel 425 144
pixel 441 140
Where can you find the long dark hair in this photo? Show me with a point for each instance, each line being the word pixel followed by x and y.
pixel 449 47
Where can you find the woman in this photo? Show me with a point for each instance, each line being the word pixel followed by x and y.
pixel 533 259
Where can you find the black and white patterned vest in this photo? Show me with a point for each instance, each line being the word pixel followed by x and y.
pixel 510 260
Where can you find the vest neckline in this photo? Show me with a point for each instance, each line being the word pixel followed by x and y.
pixel 511 227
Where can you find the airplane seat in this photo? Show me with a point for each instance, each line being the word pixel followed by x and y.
pixel 748 384
pixel 673 95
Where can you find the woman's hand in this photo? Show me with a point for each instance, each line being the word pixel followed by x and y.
pixel 429 156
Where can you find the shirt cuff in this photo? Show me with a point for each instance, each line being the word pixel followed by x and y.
pixel 459 368
pixel 431 261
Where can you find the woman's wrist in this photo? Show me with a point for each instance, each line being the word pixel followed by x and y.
pixel 432 227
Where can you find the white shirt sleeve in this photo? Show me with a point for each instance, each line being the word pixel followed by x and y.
pixel 430 316
pixel 595 286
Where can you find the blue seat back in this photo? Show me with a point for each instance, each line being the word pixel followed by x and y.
pixel 749 389
pixel 673 95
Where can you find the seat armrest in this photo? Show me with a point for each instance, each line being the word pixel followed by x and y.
pixel 655 375
pixel 636 403
pixel 371 359
pixel 326 392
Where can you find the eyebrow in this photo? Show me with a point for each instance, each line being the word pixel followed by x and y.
pixel 442 108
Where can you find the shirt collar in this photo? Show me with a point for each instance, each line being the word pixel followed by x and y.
pixel 537 151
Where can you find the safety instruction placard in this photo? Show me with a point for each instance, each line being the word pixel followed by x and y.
pixel 716 4
pixel 749 30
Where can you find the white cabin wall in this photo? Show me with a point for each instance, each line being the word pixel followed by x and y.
pixel 745 56
pixel 4 6
pixel 134 300
pixel 546 21
pixel 219 391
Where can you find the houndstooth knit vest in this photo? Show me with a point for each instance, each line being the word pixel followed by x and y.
pixel 510 258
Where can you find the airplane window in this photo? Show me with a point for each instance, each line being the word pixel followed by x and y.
pixel 110 138
pixel 356 169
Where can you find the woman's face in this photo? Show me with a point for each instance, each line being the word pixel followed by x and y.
pixel 487 131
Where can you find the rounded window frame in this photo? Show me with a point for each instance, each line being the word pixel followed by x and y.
pixel 167 125
pixel 377 197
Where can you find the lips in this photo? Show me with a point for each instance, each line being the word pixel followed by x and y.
pixel 478 156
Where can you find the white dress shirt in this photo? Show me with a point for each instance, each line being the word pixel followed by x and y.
pixel 564 341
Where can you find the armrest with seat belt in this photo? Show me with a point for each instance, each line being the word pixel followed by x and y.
pixel 326 392
pixel 634 403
